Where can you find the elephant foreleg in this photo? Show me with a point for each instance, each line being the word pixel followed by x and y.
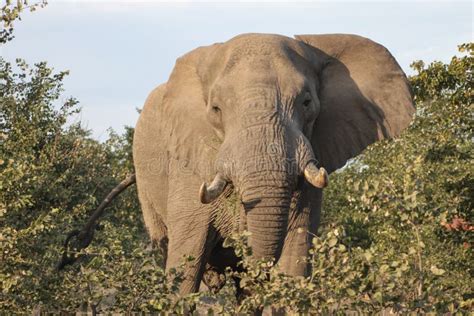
pixel 195 248
pixel 302 225
pixel 190 231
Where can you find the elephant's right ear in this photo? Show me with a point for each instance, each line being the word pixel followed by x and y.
pixel 364 95
pixel 190 137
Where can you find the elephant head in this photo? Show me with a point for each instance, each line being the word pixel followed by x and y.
pixel 267 112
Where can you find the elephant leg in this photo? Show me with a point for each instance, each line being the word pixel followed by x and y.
pixel 302 225
pixel 195 246
pixel 190 231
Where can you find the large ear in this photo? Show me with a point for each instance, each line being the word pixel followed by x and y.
pixel 188 136
pixel 364 96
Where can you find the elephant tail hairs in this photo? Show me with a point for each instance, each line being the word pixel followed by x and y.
pixel 86 234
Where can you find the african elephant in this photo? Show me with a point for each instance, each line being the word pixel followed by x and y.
pixel 259 120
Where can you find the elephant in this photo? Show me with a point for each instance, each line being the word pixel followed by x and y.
pixel 243 136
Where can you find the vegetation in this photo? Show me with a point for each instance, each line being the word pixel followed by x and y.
pixel 397 229
pixel 11 12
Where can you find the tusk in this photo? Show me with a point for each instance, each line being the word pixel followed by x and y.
pixel 207 194
pixel 317 177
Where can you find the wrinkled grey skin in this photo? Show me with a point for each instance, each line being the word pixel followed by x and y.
pixel 256 110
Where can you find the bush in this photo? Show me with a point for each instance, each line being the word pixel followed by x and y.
pixel 407 204
pixel 51 176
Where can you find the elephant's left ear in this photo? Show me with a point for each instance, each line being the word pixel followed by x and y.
pixel 364 95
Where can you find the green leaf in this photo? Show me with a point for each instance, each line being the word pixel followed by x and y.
pixel 332 242
pixel 378 297
pixel 436 270
pixel 351 292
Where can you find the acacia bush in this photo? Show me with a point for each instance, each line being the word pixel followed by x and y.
pixel 397 230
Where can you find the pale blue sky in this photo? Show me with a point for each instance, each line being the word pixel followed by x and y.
pixel 117 51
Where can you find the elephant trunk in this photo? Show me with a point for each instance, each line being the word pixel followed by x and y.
pixel 266 200
pixel 267 181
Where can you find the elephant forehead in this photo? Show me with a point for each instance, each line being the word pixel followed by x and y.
pixel 255 84
pixel 259 70
pixel 257 44
pixel 263 51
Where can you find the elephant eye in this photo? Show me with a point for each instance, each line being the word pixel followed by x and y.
pixel 307 101
pixel 215 109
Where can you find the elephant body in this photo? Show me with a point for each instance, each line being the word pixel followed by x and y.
pixel 259 114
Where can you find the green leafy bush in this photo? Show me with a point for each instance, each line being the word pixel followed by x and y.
pixel 409 201
pixel 52 174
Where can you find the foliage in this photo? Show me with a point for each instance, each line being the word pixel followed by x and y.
pixel 397 231
pixel 409 201
pixel 52 174
pixel 11 12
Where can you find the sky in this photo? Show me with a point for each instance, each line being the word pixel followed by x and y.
pixel 118 51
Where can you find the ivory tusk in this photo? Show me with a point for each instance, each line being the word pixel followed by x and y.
pixel 317 177
pixel 208 193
